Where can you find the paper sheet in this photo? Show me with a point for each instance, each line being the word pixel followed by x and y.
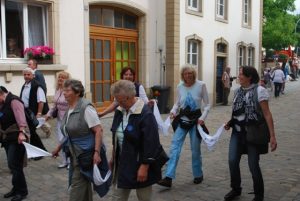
pixel 33 151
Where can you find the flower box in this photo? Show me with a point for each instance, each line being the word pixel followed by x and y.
pixel 43 54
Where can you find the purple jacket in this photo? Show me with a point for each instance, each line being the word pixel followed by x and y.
pixel 60 103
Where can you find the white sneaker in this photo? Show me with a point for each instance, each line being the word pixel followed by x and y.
pixel 60 166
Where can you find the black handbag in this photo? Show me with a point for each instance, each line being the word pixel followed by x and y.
pixel 31 118
pixel 187 124
pixel 258 133
pixel 54 113
pixel 85 160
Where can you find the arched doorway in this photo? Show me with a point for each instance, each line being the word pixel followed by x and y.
pixel 221 47
pixel 113 45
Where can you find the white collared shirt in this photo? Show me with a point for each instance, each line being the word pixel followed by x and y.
pixel 41 97
pixel 124 123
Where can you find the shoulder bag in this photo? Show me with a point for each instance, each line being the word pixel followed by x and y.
pixel 258 133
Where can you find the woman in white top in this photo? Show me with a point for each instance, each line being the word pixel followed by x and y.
pixel 250 107
pixel 187 112
pixel 278 79
pixel 127 73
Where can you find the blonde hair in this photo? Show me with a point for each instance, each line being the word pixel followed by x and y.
pixel 190 68
pixel 63 73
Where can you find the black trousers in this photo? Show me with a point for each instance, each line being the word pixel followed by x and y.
pixel 35 139
pixel 277 88
pixel 15 158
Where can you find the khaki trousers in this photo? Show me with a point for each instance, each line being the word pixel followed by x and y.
pixel 143 194
pixel 80 189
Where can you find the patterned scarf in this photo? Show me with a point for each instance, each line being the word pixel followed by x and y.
pixel 244 110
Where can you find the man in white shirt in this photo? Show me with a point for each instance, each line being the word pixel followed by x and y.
pixel 34 99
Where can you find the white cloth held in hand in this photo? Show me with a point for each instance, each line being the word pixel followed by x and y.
pixel 33 151
pixel 42 121
pixel 98 180
pixel 211 141
pixel 162 126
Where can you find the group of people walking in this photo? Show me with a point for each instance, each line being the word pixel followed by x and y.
pixel 283 72
pixel 135 136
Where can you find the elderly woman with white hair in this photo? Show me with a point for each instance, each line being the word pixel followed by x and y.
pixel 186 113
pixel 135 142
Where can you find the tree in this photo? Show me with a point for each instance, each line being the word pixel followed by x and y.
pixel 279 24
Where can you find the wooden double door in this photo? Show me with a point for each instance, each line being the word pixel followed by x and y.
pixel 108 55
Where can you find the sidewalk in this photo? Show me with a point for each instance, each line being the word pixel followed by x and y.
pixel 281 169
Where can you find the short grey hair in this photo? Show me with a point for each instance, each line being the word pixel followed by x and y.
pixel 27 69
pixel 123 88
pixel 76 86
pixel 188 67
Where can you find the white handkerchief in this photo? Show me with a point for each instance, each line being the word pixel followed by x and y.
pixel 162 126
pixel 42 121
pixel 33 151
pixel 211 140
pixel 98 180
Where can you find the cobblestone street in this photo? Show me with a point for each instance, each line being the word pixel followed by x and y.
pixel 281 169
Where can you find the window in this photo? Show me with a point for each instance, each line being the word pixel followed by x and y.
pixel 250 56
pixel 22 25
pixel 241 55
pixel 193 52
pixel 246 12
pixel 112 18
pixel 194 7
pixel 221 9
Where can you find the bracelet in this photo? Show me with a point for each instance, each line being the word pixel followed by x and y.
pixel 97 151
pixel 39 113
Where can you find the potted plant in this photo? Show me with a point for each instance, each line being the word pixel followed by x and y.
pixel 43 54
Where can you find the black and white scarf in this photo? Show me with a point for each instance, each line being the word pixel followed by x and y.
pixel 244 110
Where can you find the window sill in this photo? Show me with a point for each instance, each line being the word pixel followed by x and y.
pixel 221 20
pixel 246 26
pixel 41 67
pixel 194 12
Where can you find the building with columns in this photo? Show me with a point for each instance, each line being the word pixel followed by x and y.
pixel 94 39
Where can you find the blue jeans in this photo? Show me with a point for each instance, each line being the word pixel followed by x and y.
pixel 175 150
pixel 236 148
pixel 15 158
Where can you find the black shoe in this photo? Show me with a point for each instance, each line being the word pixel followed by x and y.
pixel 258 198
pixel 167 182
pixel 231 195
pixel 18 197
pixel 9 194
pixel 198 180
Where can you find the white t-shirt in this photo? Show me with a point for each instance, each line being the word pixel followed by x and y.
pixel 90 116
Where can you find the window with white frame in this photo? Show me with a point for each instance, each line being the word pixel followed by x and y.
pixel 22 25
pixel 241 55
pixel 247 12
pixel 250 56
pixel 193 52
pixel 195 5
pixel 221 9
